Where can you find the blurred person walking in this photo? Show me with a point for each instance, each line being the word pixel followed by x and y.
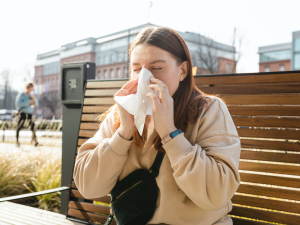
pixel 25 102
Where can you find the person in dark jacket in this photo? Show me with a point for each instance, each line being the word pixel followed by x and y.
pixel 25 102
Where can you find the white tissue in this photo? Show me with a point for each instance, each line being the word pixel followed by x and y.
pixel 139 104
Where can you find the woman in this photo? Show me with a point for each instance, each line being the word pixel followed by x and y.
pixel 199 173
pixel 25 102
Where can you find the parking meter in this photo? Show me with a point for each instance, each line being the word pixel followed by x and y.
pixel 73 80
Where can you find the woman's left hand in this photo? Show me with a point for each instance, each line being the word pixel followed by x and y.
pixel 163 108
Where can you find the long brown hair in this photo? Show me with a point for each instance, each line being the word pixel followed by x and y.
pixel 189 101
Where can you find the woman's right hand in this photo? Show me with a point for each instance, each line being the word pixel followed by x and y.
pixel 127 127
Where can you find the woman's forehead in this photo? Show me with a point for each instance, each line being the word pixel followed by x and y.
pixel 149 54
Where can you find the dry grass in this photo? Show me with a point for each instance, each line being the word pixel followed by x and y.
pixel 34 171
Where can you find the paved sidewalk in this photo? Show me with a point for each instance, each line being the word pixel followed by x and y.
pixel 27 133
pixel 26 147
pixel 45 138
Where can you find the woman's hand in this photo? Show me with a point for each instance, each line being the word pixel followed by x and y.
pixel 127 127
pixel 163 108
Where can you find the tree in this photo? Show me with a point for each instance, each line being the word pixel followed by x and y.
pixel 50 100
pixel 6 83
pixel 27 72
pixel 238 45
pixel 209 53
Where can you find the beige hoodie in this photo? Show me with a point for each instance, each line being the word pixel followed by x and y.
pixel 198 175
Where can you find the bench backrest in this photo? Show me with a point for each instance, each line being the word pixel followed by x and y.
pixel 265 108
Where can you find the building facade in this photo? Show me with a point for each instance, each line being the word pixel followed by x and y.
pixel 110 54
pixel 296 51
pixel 280 57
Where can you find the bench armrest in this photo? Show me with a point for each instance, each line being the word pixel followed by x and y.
pixel 34 194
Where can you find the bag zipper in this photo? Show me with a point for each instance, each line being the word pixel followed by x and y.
pixel 126 191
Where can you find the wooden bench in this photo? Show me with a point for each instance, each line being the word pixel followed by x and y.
pixel 266 111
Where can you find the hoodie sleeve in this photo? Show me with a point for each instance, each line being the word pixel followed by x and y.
pixel 100 160
pixel 207 171
pixel 22 101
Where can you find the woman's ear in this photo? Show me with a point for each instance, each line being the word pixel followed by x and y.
pixel 184 67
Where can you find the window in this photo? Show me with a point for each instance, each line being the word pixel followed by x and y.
pixel 297 45
pixel 99 60
pixel 112 75
pixel 98 75
pixel 267 69
pixel 276 55
pixel 106 59
pixel 105 74
pixel 297 61
pixel 281 68
pixel 118 73
pixel 112 58
pixel 228 68
pixel 120 57
pixel 125 72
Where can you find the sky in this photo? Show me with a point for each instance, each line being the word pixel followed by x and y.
pixel 31 27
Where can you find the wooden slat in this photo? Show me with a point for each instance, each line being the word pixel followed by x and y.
pixel 272 145
pixel 89 117
pixel 81 141
pixel 269 133
pixel 89 126
pixel 239 221
pixel 251 89
pixel 101 92
pixel 265 215
pixel 89 216
pixel 273 180
pixel 269 168
pixel 269 192
pixel 266 99
pixel 99 101
pixel 84 206
pixel 248 79
pixel 94 109
pixel 106 84
pixel 270 156
pixel 267 122
pixel 266 203
pixel 75 193
pixel 264 110
pixel 87 133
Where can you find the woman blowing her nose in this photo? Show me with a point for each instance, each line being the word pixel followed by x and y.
pixel 199 172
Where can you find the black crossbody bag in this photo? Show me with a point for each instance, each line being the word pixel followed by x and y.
pixel 133 199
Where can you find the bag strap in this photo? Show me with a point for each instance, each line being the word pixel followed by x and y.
pixel 154 170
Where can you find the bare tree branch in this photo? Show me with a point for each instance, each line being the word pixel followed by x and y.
pixel 238 53
pixel 50 100
pixel 209 57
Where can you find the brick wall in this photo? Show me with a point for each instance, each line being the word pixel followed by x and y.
pixel 275 65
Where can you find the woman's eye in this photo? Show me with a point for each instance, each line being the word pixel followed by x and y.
pixel 136 70
pixel 157 68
